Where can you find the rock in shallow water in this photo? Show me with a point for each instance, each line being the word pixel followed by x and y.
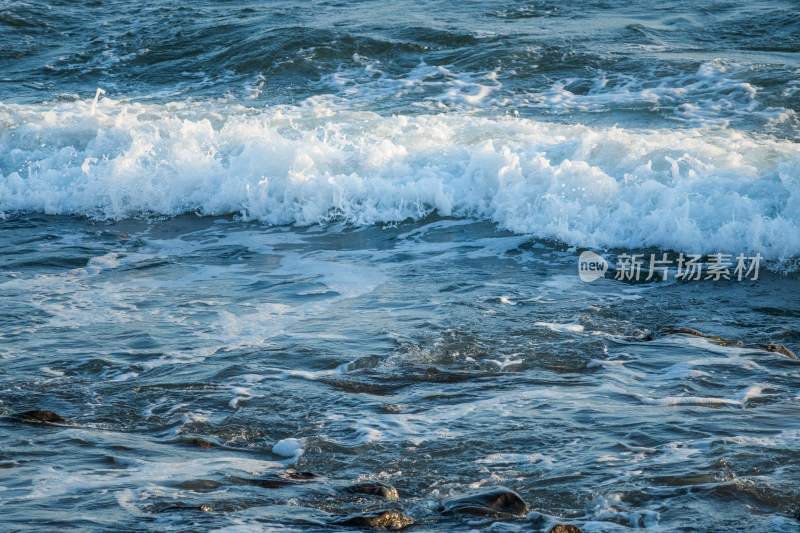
pixel 390 520
pixel 200 443
pixel 779 348
pixel 774 348
pixel 171 508
pixel 498 501
pixel 374 488
pixel 565 528
pixel 688 331
pixel 284 479
pixel 41 417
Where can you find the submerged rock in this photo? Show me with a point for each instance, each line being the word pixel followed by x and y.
pixel 565 528
pixel 774 348
pixel 687 331
pixel 390 520
pixel 41 417
pixel 284 479
pixel 778 348
pixel 199 484
pixel 436 375
pixel 374 488
pixel 361 386
pixel 185 508
pixel 303 476
pixel 200 443
pixel 498 501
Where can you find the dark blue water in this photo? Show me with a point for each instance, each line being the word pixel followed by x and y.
pixel 343 238
pixel 639 58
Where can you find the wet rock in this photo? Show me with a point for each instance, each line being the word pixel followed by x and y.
pixel 774 348
pixel 778 348
pixel 389 520
pixel 301 475
pixel 185 508
pixel 498 501
pixel 565 528
pixel 41 417
pixel 374 488
pixel 380 383
pixel 284 479
pixel 361 386
pixel 199 484
pixel 687 331
pixel 436 375
pixel 200 443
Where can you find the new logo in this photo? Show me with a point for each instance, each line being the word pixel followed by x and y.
pixel 591 266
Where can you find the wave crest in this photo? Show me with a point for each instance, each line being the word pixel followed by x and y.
pixel 699 190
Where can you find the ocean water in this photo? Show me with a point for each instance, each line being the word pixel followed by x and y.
pixel 241 241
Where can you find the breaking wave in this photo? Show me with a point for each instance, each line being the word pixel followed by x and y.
pixel 696 189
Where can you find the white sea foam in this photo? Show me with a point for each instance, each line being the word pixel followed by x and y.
pixel 515 458
pixel 288 448
pixel 713 94
pixel 611 507
pixel 697 190
pixel 52 481
pixel 431 86
pixel 564 328
pixel 786 439
pixel 737 399
pixel 436 423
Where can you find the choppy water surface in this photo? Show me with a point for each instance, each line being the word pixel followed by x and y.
pixel 342 238
pixel 435 356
